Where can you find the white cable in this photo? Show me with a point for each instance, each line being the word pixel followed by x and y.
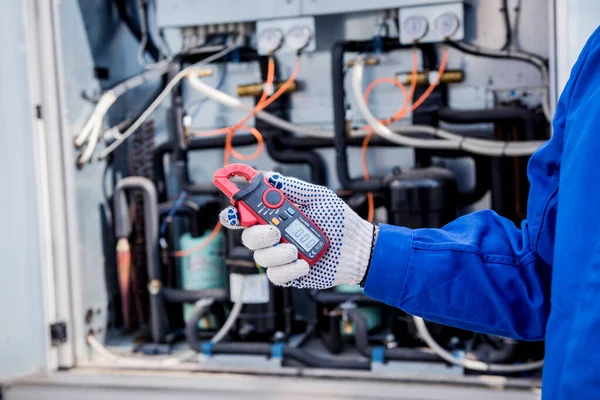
pixel 106 100
pixel 516 55
pixel 163 95
pixel 91 145
pixel 466 363
pixel 451 140
pixel 233 315
pixel 233 102
pixel 93 127
pixel 134 362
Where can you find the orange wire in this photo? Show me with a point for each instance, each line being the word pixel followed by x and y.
pixel 229 150
pixel 367 139
pixel 201 245
pixel 433 84
pixel 399 115
pixel 259 139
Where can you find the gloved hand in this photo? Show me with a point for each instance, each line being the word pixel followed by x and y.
pixel 351 239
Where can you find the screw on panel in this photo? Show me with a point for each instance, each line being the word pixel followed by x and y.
pixel 89 316
pixel 58 333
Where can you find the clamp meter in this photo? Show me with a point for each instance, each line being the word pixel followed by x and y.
pixel 261 203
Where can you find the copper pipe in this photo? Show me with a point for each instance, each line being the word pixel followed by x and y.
pixel 124 272
pixel 256 89
pixel 423 77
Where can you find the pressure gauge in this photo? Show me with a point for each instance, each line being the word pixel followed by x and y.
pixel 446 24
pixel 269 40
pixel 415 27
pixel 298 37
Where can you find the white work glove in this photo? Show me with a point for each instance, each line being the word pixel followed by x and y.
pixel 351 239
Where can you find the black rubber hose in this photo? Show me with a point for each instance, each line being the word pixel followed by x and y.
pixel 505 56
pixel 361 332
pixel 407 354
pixel 492 115
pixel 192 296
pixel 134 28
pixel 194 144
pixel 504 10
pixel 245 348
pixel 312 360
pixel 339 111
pixel 483 171
pixel 339 121
pixel 361 341
pixel 191 327
pixel 502 355
pixel 316 164
pixel 483 177
pixel 264 349
pixel 290 142
pixel 279 152
pixel 331 298
pixel 188 209
pixel 308 143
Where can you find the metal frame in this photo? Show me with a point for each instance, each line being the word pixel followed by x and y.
pixel 42 182
pixel 62 270
pixel 96 383
pixel 55 175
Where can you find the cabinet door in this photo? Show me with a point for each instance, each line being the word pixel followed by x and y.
pixel 24 333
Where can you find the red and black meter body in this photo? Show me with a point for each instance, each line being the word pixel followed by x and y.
pixel 261 203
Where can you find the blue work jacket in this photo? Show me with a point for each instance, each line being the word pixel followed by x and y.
pixel 540 282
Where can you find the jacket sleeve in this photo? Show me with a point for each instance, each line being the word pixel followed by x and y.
pixel 481 272
pixel 572 343
pixel 477 273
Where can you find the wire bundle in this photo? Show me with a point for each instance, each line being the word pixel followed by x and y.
pixel 92 130
pixel 264 101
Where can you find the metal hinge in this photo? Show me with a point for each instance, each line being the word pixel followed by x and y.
pixel 58 333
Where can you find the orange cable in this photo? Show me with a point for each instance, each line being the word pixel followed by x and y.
pixel 365 144
pixel 229 150
pixel 399 115
pixel 433 84
pixel 201 245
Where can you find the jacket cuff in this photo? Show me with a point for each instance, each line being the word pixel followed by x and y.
pixel 389 263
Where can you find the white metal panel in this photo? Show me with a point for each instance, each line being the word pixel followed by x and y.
pixel 575 22
pixel 23 332
pixel 319 7
pixel 201 12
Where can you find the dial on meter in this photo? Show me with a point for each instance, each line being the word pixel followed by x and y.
pixel 270 40
pixel 446 24
pixel 261 203
pixel 298 37
pixel 415 27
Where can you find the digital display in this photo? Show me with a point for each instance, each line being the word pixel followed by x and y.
pixel 302 235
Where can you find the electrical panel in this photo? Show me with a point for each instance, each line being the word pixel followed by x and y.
pixel 186 13
pixel 286 35
pixel 431 22
pixel 175 282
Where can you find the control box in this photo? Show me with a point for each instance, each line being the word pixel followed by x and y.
pixel 432 22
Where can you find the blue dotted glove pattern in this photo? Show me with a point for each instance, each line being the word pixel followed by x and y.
pixel 327 211
pixel 232 217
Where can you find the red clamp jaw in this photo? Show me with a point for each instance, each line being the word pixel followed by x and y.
pixel 221 179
